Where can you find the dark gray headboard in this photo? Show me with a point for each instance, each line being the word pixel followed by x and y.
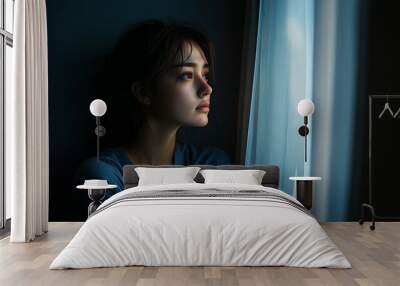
pixel 270 179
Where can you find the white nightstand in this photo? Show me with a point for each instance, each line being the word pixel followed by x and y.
pixel 96 194
pixel 304 189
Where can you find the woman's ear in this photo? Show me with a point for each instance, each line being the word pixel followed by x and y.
pixel 138 92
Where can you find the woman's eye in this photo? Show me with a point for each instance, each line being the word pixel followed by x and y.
pixel 189 75
pixel 185 76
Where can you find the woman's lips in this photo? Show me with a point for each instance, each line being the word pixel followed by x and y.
pixel 203 109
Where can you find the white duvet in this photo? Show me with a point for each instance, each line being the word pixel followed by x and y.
pixel 200 231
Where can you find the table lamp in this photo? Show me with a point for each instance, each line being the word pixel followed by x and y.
pixel 98 108
pixel 305 108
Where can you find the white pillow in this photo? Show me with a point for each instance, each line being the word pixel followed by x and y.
pixel 249 177
pixel 162 176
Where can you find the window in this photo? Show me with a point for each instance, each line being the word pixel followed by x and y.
pixel 6 62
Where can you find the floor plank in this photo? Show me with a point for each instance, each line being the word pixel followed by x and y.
pixel 374 255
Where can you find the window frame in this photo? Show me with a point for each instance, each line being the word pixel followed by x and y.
pixel 6 38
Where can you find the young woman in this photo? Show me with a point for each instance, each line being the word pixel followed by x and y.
pixel 161 77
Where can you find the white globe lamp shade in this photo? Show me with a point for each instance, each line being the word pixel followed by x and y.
pixel 98 107
pixel 305 107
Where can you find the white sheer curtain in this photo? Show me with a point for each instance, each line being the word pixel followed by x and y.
pixel 27 154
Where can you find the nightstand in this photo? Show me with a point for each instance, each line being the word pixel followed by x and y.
pixel 96 194
pixel 304 190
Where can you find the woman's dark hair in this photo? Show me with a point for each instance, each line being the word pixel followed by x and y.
pixel 142 55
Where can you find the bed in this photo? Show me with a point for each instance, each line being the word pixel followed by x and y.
pixel 201 224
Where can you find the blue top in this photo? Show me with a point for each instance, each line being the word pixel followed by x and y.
pixel 112 161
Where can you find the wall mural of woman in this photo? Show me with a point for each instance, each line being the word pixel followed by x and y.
pixel 159 79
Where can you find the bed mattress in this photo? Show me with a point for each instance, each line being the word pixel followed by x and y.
pixel 201 225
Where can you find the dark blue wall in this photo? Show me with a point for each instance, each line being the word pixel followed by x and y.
pixel 81 33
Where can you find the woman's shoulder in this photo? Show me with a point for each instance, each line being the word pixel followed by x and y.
pixel 108 167
pixel 202 154
pixel 110 157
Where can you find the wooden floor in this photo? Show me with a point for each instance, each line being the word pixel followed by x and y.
pixel 374 255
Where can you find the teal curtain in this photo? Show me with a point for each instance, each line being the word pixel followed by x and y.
pixel 306 49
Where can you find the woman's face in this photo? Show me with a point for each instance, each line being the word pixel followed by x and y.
pixel 183 96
